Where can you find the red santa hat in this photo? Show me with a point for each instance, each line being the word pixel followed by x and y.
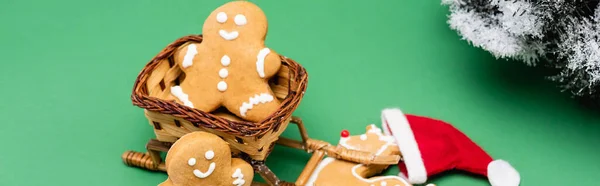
pixel 430 146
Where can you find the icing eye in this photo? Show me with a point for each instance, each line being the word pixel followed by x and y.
pixel 209 155
pixel 240 20
pixel 192 161
pixel 221 17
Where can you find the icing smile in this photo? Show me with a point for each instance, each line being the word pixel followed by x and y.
pixel 208 172
pixel 209 155
pixel 228 35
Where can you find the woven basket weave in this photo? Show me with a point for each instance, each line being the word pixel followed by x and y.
pixel 172 120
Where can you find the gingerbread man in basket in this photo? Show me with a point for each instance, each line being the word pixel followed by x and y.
pixel 231 67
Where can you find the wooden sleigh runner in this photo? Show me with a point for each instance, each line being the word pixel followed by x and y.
pixel 251 141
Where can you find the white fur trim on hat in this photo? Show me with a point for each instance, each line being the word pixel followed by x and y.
pixel 501 173
pixel 394 122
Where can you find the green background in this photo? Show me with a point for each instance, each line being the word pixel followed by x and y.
pixel 68 67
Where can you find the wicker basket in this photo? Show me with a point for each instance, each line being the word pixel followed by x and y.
pixel 172 120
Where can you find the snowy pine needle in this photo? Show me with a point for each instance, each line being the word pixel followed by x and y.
pixel 564 34
pixel 518 18
pixel 581 48
pixel 497 39
pixel 483 34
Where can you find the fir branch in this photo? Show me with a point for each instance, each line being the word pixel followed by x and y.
pixel 564 33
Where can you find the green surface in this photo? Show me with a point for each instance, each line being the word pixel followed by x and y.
pixel 68 68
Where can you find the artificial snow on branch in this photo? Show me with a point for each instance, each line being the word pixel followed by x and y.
pixel 562 34
pixel 580 48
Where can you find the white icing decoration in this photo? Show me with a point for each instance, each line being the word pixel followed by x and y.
pixel 389 141
pixel 189 56
pixel 208 172
pixel 183 97
pixel 239 177
pixel 225 60
pixel 343 143
pixel 228 35
pixel 376 130
pixel 221 17
pixel 363 137
pixel 255 100
pixel 237 173
pixel 318 169
pixel 260 61
pixel 223 73
pixel 192 161
pixel 383 183
pixel 209 155
pixel 222 86
pixel 240 20
pixel 382 149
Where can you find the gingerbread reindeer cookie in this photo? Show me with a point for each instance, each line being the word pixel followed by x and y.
pixel 334 172
pixel 231 67
pixel 201 158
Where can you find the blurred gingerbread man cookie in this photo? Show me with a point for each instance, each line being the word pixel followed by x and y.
pixel 231 67
pixel 334 172
pixel 201 158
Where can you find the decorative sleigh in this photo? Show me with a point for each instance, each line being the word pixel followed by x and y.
pixel 250 141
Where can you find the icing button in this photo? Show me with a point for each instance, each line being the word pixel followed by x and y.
pixel 223 73
pixel 222 86
pixel 363 137
pixel 225 60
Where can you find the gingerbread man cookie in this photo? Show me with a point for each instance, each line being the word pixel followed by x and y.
pixel 334 172
pixel 231 67
pixel 201 158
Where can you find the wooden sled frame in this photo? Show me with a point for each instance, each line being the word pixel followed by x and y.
pixel 248 140
pixel 151 160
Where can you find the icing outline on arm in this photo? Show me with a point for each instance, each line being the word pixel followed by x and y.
pixel 255 100
pixel 260 61
pixel 239 177
pixel 189 56
pixel 177 91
